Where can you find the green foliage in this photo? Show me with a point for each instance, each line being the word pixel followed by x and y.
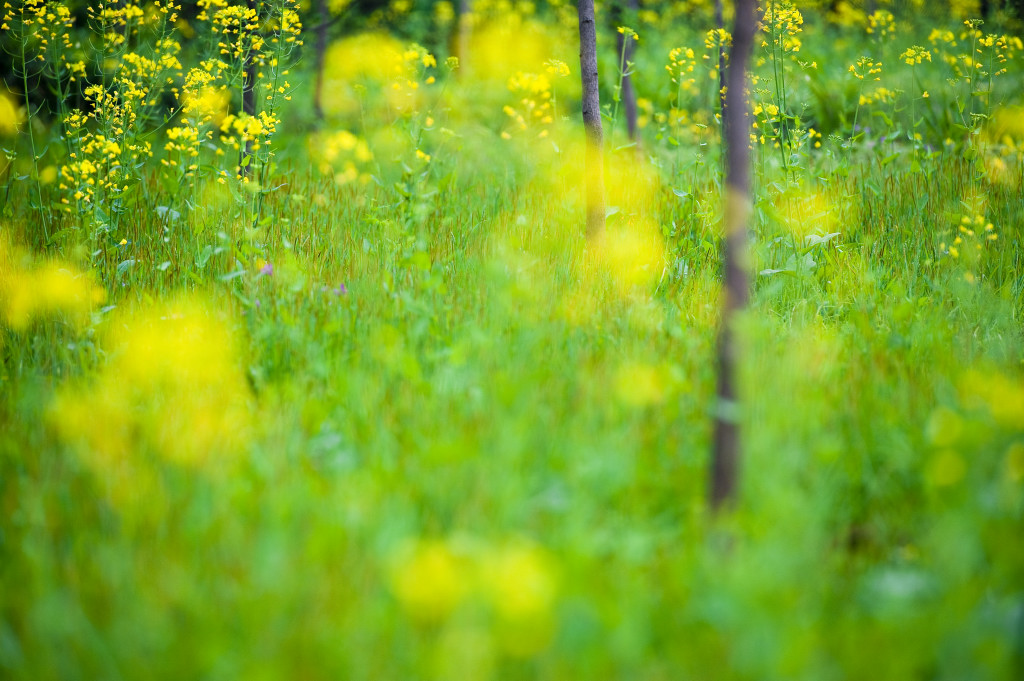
pixel 381 412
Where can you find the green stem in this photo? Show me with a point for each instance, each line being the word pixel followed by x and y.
pixel 618 86
pixel 32 139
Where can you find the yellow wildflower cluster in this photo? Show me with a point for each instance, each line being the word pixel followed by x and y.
pixel 843 13
pixel 942 36
pixel 342 153
pixel 681 64
pixel 915 55
pixel 254 44
pixel 989 400
pixel 628 33
pixel 557 68
pixel 177 353
pixel 205 105
pixel 866 68
pixel 121 25
pixel 970 236
pixel 510 589
pixel 38 21
pixel 97 165
pixel 880 95
pixel 105 142
pixel 1000 395
pixel 985 49
pixel 534 110
pixel 204 100
pixel 31 291
pixel 237 28
pixel 767 120
pixel 882 25
pixel 1004 47
pixel 239 130
pixel 183 142
pixel 783 22
pixel 715 38
pixel 55 22
pixel 410 68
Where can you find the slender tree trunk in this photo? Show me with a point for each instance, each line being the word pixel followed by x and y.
pixel 318 64
pixel 628 93
pixel 726 453
pixel 463 32
pixel 592 118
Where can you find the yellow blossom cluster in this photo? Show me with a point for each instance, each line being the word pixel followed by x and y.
pixel 880 95
pixel 409 68
pixel 716 40
pixel 681 64
pixel 915 55
pixel 512 587
pixel 32 291
pixel 241 129
pixel 783 22
pixel 534 110
pixel 843 13
pixel 970 237
pixel 985 51
pixel 177 353
pixel 628 33
pixel 342 153
pixel 237 28
pixel 866 68
pixel 96 166
pixel 882 25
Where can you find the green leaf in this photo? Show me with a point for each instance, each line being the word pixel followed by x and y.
pixel 124 266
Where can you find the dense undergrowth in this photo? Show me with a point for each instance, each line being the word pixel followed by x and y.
pixel 356 399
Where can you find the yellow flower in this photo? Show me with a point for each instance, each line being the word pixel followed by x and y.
pixel 428 580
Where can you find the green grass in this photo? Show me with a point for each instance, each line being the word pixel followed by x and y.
pixel 486 457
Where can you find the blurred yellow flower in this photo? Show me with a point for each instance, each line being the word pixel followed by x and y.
pixel 29 292
pixel 11 115
pixel 428 580
pixel 171 386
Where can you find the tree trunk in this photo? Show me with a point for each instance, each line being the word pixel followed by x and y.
pixel 592 118
pixel 463 32
pixel 726 453
pixel 319 55
pixel 628 93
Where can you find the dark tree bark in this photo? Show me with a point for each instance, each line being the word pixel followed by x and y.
pixel 592 118
pixel 726 452
pixel 628 93
pixel 463 31
pixel 318 57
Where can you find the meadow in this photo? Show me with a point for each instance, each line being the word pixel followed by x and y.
pixel 337 387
